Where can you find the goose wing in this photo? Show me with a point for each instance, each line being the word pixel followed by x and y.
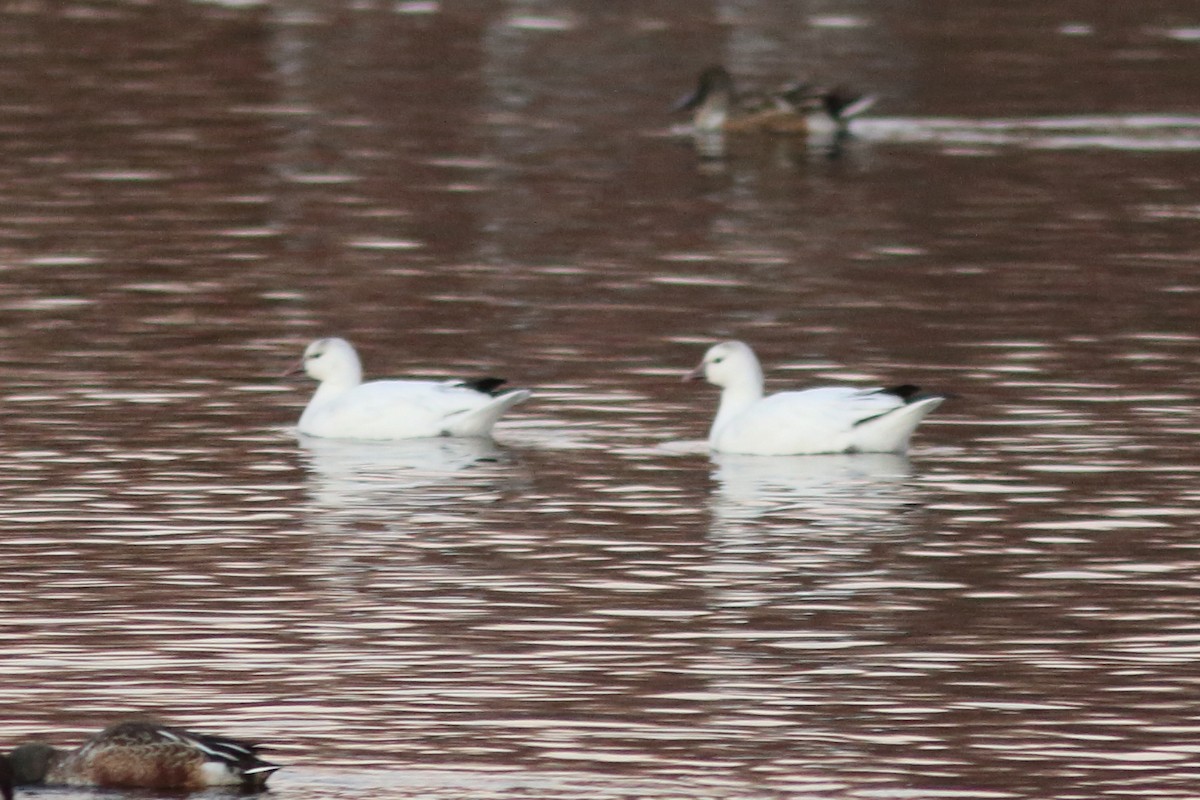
pixel 820 420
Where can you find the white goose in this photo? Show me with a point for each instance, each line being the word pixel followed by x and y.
pixel 344 407
pixel 830 419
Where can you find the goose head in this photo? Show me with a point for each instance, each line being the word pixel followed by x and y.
pixel 729 365
pixel 333 360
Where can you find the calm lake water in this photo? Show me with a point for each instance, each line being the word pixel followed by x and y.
pixel 593 607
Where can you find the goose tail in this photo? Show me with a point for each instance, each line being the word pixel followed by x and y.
pixel 890 432
pixel 480 421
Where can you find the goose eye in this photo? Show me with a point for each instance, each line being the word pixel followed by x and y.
pixel 718 359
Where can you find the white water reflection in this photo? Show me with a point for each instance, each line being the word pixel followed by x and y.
pixel 784 527
pixel 830 488
pixel 1115 132
pixel 433 784
pixel 400 464
pixel 389 479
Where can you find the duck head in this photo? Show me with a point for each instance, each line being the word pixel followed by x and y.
pixel 29 763
pixel 711 101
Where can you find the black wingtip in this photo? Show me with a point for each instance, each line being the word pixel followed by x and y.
pixel 911 393
pixel 907 392
pixel 486 385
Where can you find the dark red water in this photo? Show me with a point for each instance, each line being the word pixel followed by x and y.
pixel 594 607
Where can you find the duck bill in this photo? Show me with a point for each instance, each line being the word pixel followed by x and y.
pixel 696 374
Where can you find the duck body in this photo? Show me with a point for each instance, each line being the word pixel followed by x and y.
pixel 797 109
pixel 343 407
pixel 835 109
pixel 830 419
pixel 717 108
pixel 138 754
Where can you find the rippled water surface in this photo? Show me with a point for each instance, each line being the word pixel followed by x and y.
pixel 593 606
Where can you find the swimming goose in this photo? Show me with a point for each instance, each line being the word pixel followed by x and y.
pixel 344 407
pixel 831 419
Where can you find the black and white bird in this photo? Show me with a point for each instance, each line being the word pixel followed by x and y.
pixel 343 407
pixel 829 419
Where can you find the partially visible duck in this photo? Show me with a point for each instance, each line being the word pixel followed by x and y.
pixel 831 419
pixel 344 407
pixel 840 107
pixel 716 106
pixel 6 778
pixel 797 109
pixel 138 754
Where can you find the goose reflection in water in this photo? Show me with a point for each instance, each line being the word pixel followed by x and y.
pixel 830 489
pixel 383 515
pixel 802 529
pixel 380 479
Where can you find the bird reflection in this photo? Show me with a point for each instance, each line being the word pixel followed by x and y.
pixel 391 478
pixel 795 526
pixel 841 490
